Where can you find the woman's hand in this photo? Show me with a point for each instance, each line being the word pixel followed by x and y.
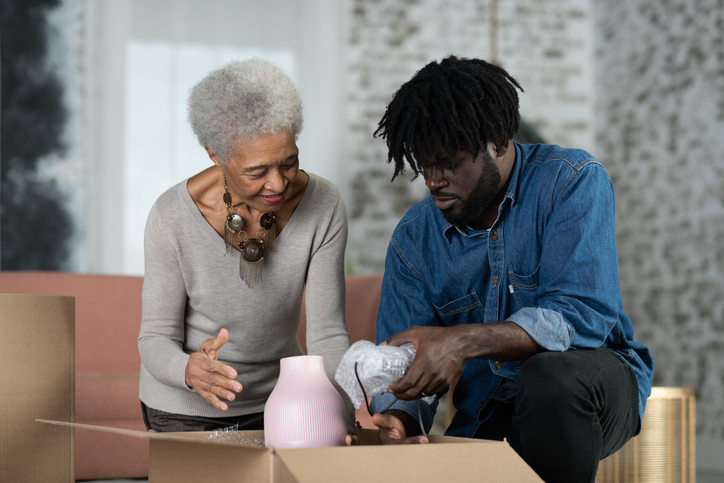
pixel 208 377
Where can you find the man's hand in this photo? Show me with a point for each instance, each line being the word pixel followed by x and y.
pixel 440 355
pixel 392 429
pixel 210 378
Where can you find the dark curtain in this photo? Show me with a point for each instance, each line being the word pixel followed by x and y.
pixel 35 226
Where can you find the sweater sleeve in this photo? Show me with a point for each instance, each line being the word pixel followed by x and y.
pixel 160 341
pixel 327 333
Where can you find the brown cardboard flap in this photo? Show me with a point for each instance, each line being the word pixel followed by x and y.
pixel 195 460
pixel 492 461
pixel 190 437
pixel 37 354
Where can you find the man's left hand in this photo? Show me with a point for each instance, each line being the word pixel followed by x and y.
pixel 440 355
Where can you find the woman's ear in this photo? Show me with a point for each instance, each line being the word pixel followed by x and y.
pixel 212 156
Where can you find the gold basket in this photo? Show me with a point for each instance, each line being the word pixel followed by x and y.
pixel 665 450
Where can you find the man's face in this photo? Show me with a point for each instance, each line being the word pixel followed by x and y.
pixel 463 188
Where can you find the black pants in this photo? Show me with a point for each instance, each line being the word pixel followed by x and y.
pixel 572 409
pixel 163 422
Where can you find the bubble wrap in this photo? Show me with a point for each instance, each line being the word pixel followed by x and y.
pixel 377 367
pixel 233 435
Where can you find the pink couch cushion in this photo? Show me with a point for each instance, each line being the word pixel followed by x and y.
pixel 107 314
pixel 363 300
pixel 106 395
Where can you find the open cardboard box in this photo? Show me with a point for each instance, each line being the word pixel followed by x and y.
pixel 37 348
pixel 192 457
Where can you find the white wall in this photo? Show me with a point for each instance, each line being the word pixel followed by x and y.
pixel 142 56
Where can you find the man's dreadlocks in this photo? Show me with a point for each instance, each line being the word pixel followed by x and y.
pixel 458 104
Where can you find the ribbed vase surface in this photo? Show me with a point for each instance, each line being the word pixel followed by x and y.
pixel 304 410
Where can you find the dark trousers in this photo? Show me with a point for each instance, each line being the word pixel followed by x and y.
pixel 572 409
pixel 163 422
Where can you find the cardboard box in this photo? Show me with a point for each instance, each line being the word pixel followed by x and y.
pixel 192 457
pixel 37 380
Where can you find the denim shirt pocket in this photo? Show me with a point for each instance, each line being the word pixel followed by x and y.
pixel 465 310
pixel 525 288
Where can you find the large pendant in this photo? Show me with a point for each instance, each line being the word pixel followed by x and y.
pixel 252 250
pixel 251 262
pixel 234 223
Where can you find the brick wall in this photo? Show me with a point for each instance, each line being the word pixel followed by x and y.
pixel 546 46
pixel 660 134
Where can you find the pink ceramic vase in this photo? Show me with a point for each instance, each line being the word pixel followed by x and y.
pixel 304 410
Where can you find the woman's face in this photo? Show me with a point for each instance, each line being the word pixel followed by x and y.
pixel 261 170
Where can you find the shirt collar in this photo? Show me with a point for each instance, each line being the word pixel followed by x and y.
pixel 464 231
pixel 512 191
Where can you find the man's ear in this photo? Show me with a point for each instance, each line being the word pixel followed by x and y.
pixel 212 156
pixel 502 148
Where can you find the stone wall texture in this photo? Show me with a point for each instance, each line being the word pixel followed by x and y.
pixel 660 133
pixel 545 45
pixel 638 83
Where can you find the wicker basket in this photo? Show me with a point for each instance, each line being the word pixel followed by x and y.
pixel 665 450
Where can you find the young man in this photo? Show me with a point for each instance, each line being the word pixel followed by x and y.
pixel 508 270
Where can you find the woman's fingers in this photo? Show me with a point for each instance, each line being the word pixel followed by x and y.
pixel 211 379
pixel 211 347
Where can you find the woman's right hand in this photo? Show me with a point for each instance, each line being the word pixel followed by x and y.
pixel 210 378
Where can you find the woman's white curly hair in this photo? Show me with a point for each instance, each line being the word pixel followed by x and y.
pixel 242 101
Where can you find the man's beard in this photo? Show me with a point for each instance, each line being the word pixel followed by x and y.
pixel 480 198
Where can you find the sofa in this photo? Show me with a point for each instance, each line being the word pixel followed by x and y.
pixel 108 318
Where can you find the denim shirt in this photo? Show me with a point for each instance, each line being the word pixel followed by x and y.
pixel 548 264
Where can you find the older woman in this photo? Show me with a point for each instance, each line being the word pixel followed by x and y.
pixel 228 254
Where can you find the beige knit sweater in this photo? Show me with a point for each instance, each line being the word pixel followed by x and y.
pixel 192 289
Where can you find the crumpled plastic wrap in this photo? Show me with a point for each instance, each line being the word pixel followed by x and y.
pixel 232 434
pixel 377 368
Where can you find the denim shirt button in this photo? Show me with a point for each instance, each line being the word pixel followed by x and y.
pixel 495 281
pixel 495 236
pixel 480 405
pixel 498 365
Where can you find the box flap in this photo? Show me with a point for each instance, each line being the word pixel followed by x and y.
pixel 190 437
pixel 484 461
pixel 197 460
pixel 37 381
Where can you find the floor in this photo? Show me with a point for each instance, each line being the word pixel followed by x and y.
pixel 700 478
